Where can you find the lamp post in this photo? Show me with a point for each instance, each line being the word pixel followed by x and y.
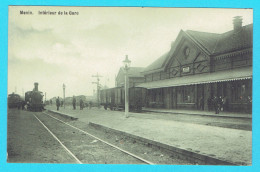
pixel 98 87
pixel 127 64
pixel 64 95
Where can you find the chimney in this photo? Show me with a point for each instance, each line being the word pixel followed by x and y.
pixel 36 86
pixel 237 23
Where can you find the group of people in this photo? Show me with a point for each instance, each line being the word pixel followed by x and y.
pixel 222 103
pixel 218 104
pixel 81 103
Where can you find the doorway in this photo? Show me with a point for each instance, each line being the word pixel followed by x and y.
pixel 200 97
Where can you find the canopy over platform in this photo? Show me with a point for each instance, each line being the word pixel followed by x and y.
pixel 227 75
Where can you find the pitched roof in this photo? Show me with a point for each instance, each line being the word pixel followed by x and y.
pixel 225 42
pixel 235 40
pixel 157 64
pixel 214 43
pixel 135 72
pixel 207 40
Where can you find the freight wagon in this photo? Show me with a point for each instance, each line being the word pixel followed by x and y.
pixel 114 98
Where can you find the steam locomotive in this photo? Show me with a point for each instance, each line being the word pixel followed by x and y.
pixel 114 98
pixel 34 99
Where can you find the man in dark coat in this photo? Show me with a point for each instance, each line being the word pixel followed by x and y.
pixel 249 104
pixel 220 102
pixel 74 102
pixel 81 104
pixel 216 104
pixel 58 103
pixel 225 104
pixel 90 104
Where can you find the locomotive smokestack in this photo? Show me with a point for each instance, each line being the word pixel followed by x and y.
pixel 36 86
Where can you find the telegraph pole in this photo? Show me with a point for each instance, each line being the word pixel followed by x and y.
pixel 64 86
pixel 98 86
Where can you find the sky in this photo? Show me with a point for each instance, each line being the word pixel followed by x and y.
pixel 69 49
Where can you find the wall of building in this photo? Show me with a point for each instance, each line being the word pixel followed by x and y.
pixel 238 60
pixel 199 96
pixel 183 64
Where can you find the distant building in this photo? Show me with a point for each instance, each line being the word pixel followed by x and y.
pixel 134 74
pixel 91 98
pixel 202 65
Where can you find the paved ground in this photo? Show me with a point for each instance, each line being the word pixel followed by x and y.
pixel 232 145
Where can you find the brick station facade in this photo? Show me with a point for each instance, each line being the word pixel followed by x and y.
pixel 202 65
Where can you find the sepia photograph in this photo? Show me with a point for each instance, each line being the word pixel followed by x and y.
pixel 129 85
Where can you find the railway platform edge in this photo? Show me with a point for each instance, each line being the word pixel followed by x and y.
pixel 122 125
pixel 200 113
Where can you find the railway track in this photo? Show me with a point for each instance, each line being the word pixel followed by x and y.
pixel 54 138
pixel 80 144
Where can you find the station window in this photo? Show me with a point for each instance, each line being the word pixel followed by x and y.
pixel 239 91
pixel 156 95
pixel 186 94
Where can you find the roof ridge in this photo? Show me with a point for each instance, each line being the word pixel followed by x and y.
pixel 216 45
pixel 243 27
pixel 153 65
pixel 197 42
pixel 137 67
pixel 232 40
pixel 203 32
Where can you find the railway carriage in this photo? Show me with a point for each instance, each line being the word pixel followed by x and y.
pixel 114 98
pixel 14 100
pixel 107 97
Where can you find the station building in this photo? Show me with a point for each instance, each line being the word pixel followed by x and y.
pixel 134 74
pixel 201 65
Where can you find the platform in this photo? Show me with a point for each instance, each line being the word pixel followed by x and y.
pixel 224 144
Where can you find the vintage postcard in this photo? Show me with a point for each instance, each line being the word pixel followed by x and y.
pixel 130 85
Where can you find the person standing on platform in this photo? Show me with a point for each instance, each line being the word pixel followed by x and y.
pixel 225 104
pixel 216 105
pixel 90 104
pixel 220 102
pixel 81 104
pixel 249 104
pixel 58 103
pixel 74 102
